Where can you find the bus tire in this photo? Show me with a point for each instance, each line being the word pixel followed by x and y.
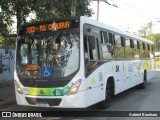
pixel 108 94
pixel 143 85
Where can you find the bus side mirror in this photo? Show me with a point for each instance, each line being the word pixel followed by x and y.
pixel 91 41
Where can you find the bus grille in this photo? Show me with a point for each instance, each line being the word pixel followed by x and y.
pixel 51 102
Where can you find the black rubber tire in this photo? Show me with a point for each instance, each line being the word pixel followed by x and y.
pixel 108 95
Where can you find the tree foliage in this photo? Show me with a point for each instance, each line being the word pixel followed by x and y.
pixel 146 29
pixel 156 39
pixel 146 32
pixel 5 22
pixel 61 8
pixel 18 8
pixel 43 9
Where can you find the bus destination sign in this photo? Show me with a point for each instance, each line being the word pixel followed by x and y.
pixel 44 27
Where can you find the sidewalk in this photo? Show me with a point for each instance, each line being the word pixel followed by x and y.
pixel 7 96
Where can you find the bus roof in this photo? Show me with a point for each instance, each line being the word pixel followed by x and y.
pixel 94 22
pixel 108 27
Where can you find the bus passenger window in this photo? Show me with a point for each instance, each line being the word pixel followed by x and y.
pixel 138 45
pixel 142 50
pixel 148 46
pixel 93 48
pixel 135 49
pixel 131 43
pixel 118 49
pixel 144 46
pixel 107 48
pixel 110 38
pixel 128 49
pixel 148 51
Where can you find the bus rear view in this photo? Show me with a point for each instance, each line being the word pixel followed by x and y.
pixel 48 64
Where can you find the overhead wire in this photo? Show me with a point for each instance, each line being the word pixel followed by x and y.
pixel 119 17
pixel 124 25
pixel 107 14
pixel 136 8
pixel 126 10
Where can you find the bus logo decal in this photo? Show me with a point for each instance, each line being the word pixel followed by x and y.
pixel 47 71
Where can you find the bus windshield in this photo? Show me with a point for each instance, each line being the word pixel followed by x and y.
pixel 53 55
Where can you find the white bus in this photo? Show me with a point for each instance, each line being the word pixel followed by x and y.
pixel 77 62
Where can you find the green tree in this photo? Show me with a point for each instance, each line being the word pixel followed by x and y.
pixel 143 31
pixel 5 22
pixel 146 29
pixel 62 8
pixel 156 39
pixel 149 27
pixel 18 8
pixel 1 41
pixel 44 9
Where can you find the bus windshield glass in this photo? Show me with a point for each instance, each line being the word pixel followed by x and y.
pixel 51 55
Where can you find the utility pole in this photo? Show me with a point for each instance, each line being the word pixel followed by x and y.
pixel 97 10
pixel 106 1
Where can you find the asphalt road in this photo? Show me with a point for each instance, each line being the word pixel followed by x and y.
pixel 131 100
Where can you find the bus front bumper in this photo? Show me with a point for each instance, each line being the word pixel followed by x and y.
pixel 77 100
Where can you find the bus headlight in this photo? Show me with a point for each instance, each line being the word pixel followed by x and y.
pixel 74 88
pixel 18 89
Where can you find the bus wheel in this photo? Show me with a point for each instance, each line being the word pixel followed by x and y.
pixel 105 103
pixel 143 85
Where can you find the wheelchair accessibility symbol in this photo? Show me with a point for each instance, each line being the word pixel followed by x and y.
pixel 47 71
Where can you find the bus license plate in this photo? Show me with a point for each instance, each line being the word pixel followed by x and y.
pixel 42 104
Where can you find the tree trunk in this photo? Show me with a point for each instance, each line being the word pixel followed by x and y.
pixel 73 8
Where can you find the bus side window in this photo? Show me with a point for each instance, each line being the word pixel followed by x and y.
pixel 152 49
pixel 110 36
pixel 142 50
pixel 144 46
pixel 118 49
pixel 131 43
pixel 113 42
pixel 136 49
pixel 107 49
pixel 148 51
pixel 128 49
pixel 93 48
pixel 138 45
